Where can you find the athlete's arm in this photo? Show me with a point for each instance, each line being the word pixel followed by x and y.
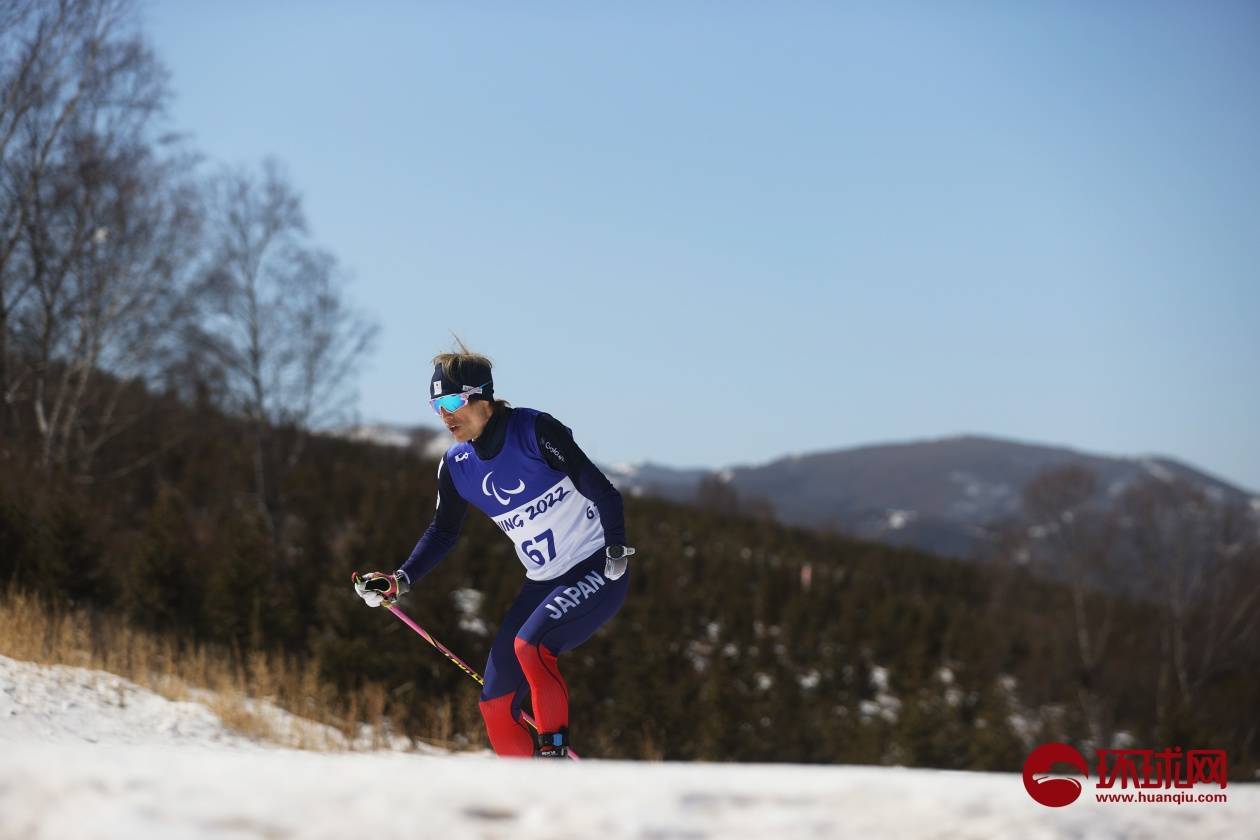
pixel 443 532
pixel 562 453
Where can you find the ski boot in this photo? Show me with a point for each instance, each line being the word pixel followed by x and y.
pixel 552 744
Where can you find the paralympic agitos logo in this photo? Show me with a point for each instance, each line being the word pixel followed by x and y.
pixel 488 487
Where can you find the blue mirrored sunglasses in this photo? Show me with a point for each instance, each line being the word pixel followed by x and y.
pixel 452 403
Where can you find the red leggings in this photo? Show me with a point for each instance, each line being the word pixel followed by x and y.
pixel 548 618
pixel 508 734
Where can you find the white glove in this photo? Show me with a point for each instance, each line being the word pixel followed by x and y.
pixel 617 557
pixel 376 588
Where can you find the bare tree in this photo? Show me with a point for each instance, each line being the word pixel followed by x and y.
pixel 1200 562
pixel 279 326
pixel 1074 542
pixel 110 309
pixel 98 225
pixel 56 58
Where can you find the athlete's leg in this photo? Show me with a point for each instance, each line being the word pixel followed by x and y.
pixel 568 616
pixel 506 687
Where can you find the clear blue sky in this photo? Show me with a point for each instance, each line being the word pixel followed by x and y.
pixel 715 233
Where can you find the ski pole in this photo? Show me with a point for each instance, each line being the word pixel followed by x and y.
pixel 443 649
pixel 464 666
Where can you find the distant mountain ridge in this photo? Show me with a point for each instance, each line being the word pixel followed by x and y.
pixel 422 439
pixel 936 495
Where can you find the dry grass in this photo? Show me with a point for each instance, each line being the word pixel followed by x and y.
pixel 242 690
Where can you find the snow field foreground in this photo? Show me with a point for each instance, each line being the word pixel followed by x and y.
pixel 77 764
pixel 63 703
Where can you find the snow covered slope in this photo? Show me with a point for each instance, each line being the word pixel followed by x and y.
pixel 61 704
pixel 85 756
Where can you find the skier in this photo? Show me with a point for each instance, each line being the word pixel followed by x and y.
pixel 522 468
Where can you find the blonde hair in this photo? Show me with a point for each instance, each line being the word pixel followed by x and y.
pixel 453 362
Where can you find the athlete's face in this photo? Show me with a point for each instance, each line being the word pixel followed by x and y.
pixel 467 423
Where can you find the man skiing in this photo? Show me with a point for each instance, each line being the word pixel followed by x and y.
pixel 522 468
